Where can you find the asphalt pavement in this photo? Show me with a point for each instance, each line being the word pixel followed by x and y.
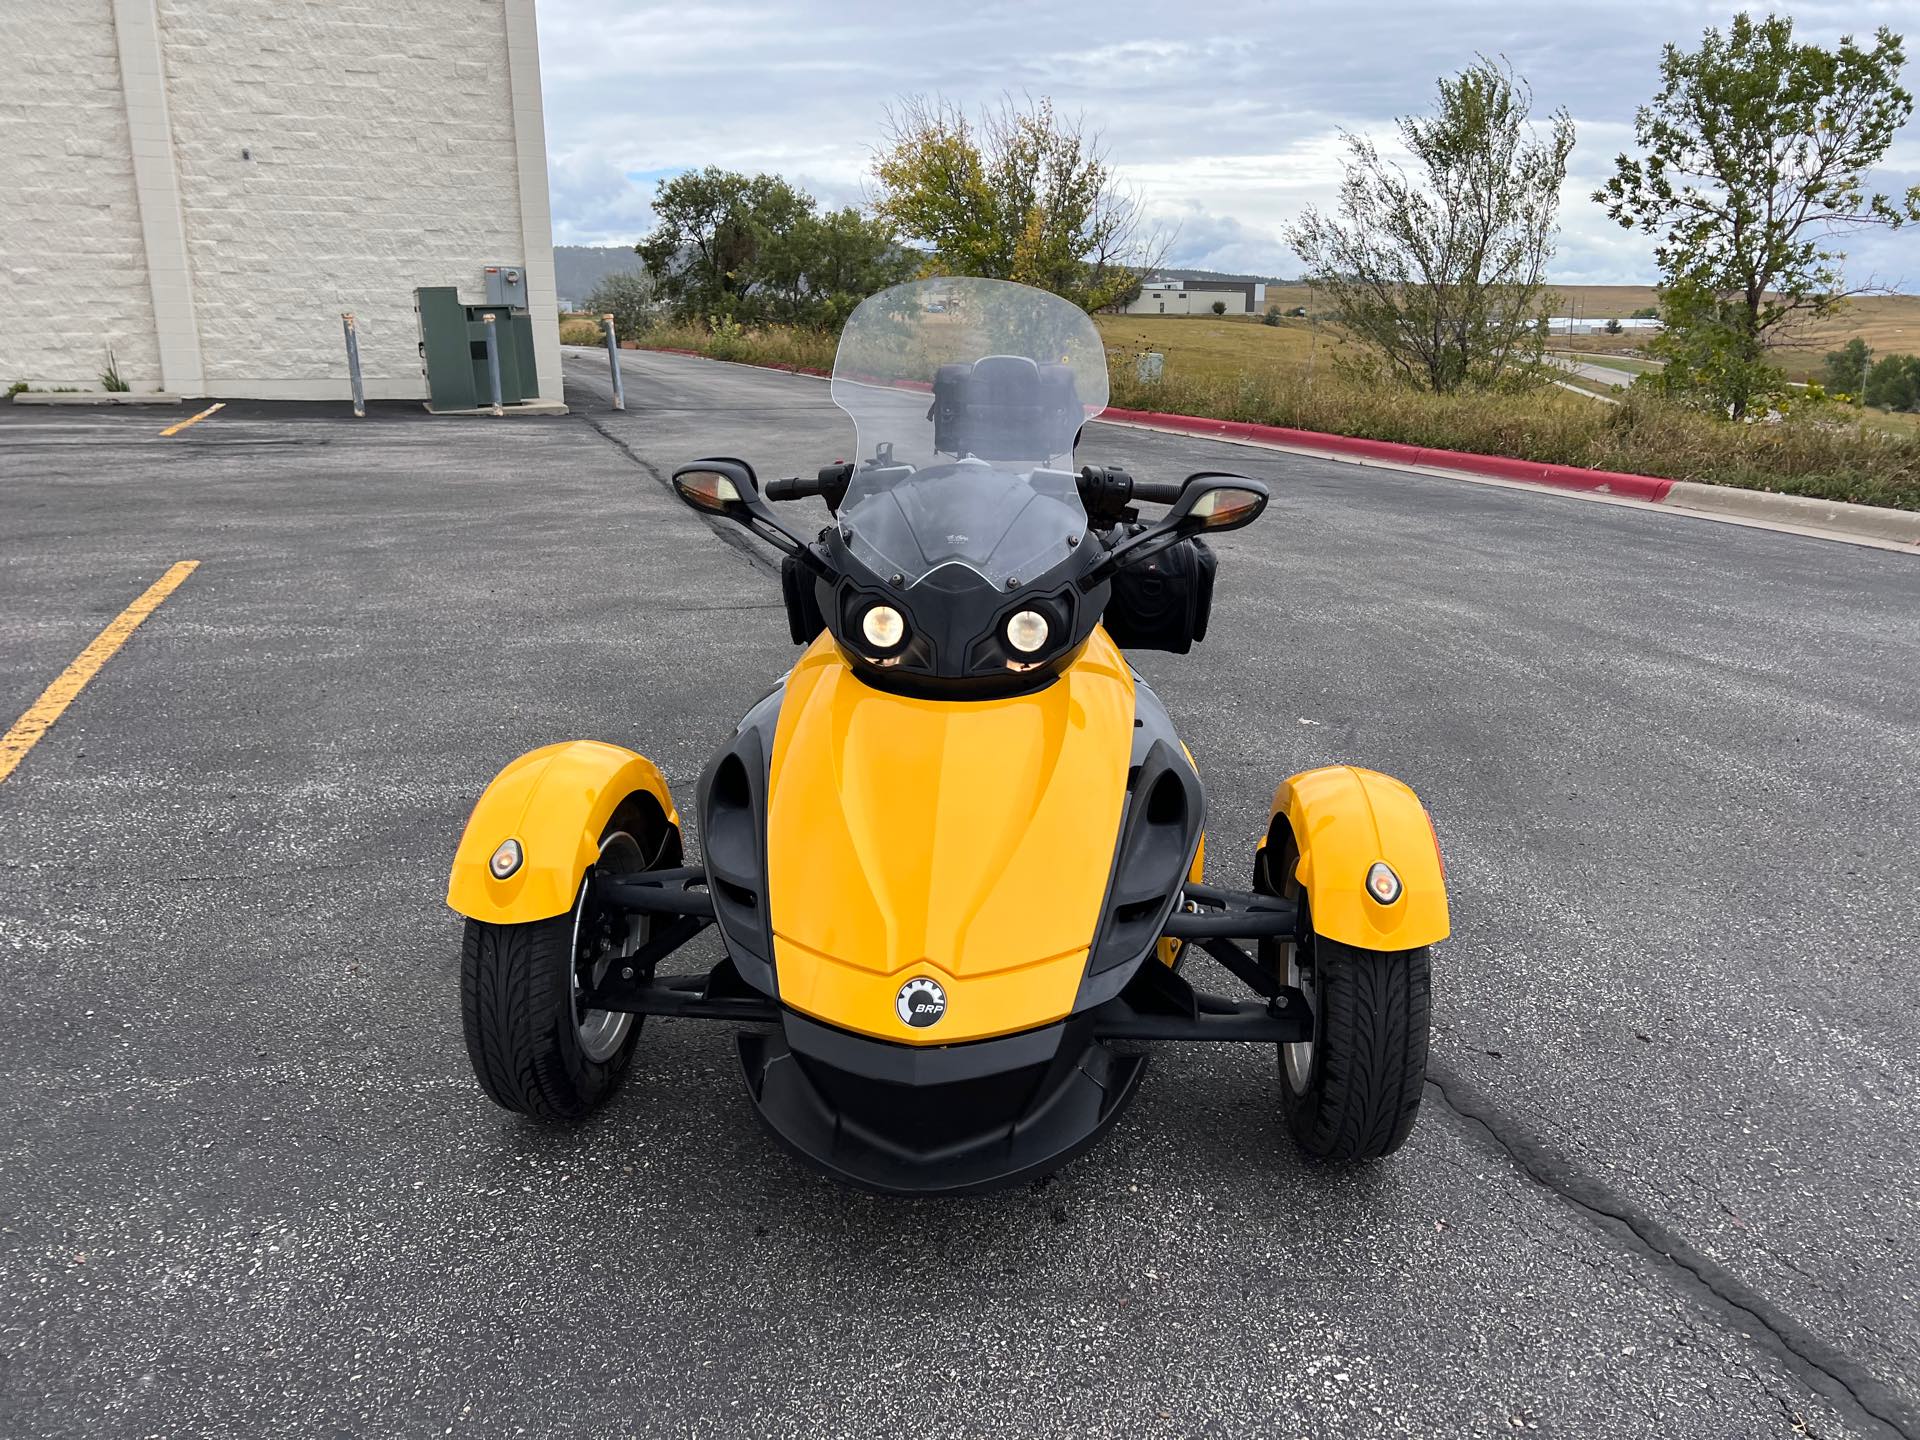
pixel 1662 1186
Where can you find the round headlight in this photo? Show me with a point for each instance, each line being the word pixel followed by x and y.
pixel 883 627
pixel 1027 631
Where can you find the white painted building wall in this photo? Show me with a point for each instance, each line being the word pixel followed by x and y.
pixel 67 163
pixel 1181 300
pixel 209 183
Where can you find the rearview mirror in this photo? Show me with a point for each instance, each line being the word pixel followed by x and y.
pixel 1210 502
pixel 1218 502
pixel 727 487
pixel 718 487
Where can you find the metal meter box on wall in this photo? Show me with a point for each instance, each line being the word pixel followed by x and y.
pixel 507 285
pixel 453 351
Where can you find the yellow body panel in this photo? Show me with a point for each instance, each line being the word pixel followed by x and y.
pixel 1343 820
pixel 965 840
pixel 555 801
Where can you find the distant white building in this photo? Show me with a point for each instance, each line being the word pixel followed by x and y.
pixel 205 185
pixel 1195 297
pixel 1596 325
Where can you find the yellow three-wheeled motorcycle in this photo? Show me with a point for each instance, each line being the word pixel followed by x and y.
pixel 955 857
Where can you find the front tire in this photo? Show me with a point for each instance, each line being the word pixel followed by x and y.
pixel 535 1049
pixel 1351 1092
pixel 516 993
pixel 1357 1093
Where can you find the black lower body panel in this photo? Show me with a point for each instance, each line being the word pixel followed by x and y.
pixel 906 1120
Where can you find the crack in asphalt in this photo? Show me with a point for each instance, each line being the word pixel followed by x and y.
pixel 734 536
pixel 1828 1369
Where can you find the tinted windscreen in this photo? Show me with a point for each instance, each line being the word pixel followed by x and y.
pixel 968 396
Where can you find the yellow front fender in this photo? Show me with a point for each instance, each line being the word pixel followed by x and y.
pixel 1345 819
pixel 555 801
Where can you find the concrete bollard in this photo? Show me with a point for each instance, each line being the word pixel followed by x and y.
pixel 613 362
pixel 493 363
pixel 353 363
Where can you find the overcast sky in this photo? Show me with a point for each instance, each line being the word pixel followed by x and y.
pixel 1224 117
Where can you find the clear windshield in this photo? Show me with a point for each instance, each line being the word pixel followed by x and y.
pixel 968 396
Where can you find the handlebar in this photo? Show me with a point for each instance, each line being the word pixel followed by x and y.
pixel 794 487
pixel 1099 489
pixel 830 484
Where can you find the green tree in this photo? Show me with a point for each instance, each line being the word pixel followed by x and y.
pixel 1442 272
pixel 1020 194
pixel 1756 150
pixel 705 250
pixel 629 298
pixel 1894 383
pixel 1844 370
pixel 823 265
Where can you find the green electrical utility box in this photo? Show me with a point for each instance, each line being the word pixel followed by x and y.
pixel 453 351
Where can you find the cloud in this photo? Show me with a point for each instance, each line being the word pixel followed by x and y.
pixel 1222 116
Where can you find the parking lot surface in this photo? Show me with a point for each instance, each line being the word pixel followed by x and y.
pixel 1662 1185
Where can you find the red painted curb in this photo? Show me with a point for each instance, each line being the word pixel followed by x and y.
pixel 1532 472
pixel 1502 467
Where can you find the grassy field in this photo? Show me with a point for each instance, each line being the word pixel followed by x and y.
pixel 1890 324
pixel 1207 346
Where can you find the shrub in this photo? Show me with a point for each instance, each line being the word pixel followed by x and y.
pixel 110 377
pixel 1272 317
pixel 629 298
pixel 1219 307
pixel 1613 327
pixel 579 330
pixel 16 388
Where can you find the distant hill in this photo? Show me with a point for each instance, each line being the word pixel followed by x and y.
pixel 1167 273
pixel 578 268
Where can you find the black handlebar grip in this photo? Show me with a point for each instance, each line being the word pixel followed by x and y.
pixel 1158 492
pixel 794 487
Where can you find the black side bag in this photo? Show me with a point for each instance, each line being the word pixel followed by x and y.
pixel 1163 603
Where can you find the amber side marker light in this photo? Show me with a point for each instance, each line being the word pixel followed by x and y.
pixel 1382 884
pixel 506 859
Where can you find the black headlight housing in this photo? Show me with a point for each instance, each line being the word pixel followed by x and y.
pixel 956 642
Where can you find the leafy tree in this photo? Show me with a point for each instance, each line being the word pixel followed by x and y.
pixel 1894 383
pixel 1020 194
pixel 1711 358
pixel 822 265
pixel 1646 312
pixel 1442 272
pixel 1756 150
pixel 1844 369
pixel 748 249
pixel 1613 327
pixel 713 226
pixel 629 298
pixel 1219 307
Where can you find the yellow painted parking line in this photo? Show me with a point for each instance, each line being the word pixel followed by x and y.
pixel 194 419
pixel 54 700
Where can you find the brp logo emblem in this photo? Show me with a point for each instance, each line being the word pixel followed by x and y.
pixel 921 1002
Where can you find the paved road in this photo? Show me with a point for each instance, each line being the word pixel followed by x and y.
pixel 251 1190
pixel 1590 372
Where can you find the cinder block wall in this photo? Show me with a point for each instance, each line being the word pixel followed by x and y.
pixel 73 268
pixel 319 156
